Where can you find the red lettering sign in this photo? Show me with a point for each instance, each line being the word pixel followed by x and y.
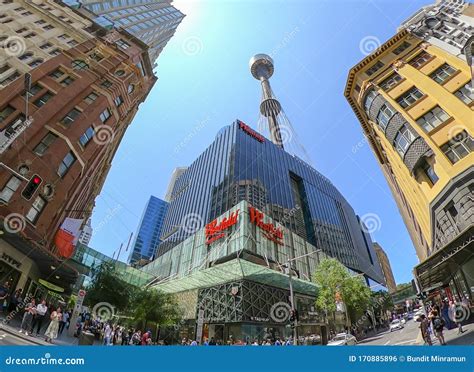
pixel 270 231
pixel 214 231
pixel 250 131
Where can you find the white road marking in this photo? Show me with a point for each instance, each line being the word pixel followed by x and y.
pixel 387 342
pixel 405 342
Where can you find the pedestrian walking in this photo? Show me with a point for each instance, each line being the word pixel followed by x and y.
pixel 30 311
pixel 438 325
pixel 63 322
pixel 16 299
pixel 107 334
pixel 41 310
pixel 53 327
pixel 4 296
pixel 453 310
pixel 425 330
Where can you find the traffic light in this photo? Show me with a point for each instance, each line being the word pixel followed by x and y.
pixel 31 186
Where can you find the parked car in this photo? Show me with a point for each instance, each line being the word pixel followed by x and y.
pixel 343 339
pixel 396 324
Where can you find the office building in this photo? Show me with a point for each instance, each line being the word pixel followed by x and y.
pixel 386 268
pixel 414 101
pixel 174 177
pixel 148 235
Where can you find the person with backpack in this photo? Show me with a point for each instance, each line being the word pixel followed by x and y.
pixel 438 325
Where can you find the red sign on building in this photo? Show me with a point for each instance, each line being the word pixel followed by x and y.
pixel 270 231
pixel 215 231
pixel 250 131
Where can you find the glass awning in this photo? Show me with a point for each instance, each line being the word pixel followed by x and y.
pixel 233 270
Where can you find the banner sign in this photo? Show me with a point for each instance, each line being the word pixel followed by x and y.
pixel 270 231
pixel 215 231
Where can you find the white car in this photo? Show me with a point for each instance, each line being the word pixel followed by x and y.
pixel 396 324
pixel 417 315
pixel 343 339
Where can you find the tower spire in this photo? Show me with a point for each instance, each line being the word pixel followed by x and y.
pixel 261 67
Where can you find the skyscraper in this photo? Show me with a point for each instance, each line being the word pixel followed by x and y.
pixel 178 171
pixel 414 101
pixel 147 238
pixel 151 21
pixel 386 268
pixel 86 233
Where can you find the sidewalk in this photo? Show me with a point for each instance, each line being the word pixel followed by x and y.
pixel 13 328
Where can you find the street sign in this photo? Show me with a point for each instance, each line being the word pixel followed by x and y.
pixel 77 311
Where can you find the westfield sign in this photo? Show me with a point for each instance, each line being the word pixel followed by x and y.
pixel 250 131
pixel 270 231
pixel 215 231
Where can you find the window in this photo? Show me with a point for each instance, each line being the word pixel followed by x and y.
pixel 68 80
pixel 43 99
pixel 48 27
pixel 420 59
pixel 96 57
pixel 56 74
pixel 6 112
pixel 122 44
pixel 11 78
pixel 106 84
pixel 390 82
pixel 451 209
pixel 63 37
pixel 384 116
pixel 459 147
pixel 71 117
pixel 10 188
pixel 87 136
pixel 428 171
pixel 369 99
pixel 55 52
pixel 410 97
pixel 36 208
pixel 105 115
pixel 374 68
pixel 47 140
pixel 118 101
pixel 72 43
pixel 25 56
pixel 40 22
pixel 23 29
pixel 35 63
pixel 465 94
pixel 66 164
pixel 442 73
pixel 79 64
pixel 30 35
pixel 46 46
pixel 403 139
pixel 91 98
pixel 130 88
pixel 401 48
pixel 432 119
pixel 119 73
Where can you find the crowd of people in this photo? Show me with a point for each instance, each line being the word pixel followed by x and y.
pixel 34 314
pixel 442 316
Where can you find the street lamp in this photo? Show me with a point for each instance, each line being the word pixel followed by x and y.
pixel 292 295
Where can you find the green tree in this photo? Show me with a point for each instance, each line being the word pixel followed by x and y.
pixel 335 280
pixel 149 305
pixel 107 286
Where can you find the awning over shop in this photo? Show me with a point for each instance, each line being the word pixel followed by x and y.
pixel 53 270
pixel 440 267
pixel 233 270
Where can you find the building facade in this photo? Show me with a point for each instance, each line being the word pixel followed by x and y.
pixel 241 164
pixel 413 99
pixel 153 22
pixel 177 172
pixel 386 268
pixel 86 233
pixel 85 90
pixel 148 235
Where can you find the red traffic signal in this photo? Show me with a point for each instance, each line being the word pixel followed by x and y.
pixel 31 186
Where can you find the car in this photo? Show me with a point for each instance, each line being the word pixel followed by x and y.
pixel 396 324
pixel 343 339
pixel 417 315
pixel 403 320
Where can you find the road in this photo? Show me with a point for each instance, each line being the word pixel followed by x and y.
pixel 7 338
pixel 405 336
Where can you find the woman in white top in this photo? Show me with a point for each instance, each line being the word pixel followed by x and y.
pixel 52 331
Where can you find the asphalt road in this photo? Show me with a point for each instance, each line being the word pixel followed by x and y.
pixel 405 336
pixel 7 338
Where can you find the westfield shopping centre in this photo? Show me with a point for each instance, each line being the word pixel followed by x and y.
pixel 237 215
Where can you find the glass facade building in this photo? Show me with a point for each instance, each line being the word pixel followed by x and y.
pixel 151 21
pixel 239 165
pixel 147 238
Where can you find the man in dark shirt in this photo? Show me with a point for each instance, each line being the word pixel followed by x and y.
pixel 4 295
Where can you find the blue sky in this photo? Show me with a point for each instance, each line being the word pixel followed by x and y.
pixel 204 83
